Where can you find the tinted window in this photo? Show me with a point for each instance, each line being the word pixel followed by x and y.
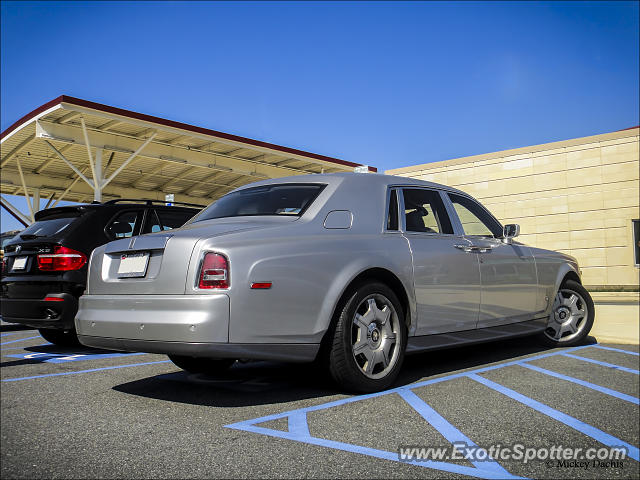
pixel 392 215
pixel 123 225
pixel 49 226
pixel 285 199
pixel 159 220
pixel 425 212
pixel 474 218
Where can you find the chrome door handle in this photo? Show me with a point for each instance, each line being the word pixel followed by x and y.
pixel 473 248
pixel 465 248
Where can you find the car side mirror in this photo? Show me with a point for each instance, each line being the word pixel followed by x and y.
pixel 509 231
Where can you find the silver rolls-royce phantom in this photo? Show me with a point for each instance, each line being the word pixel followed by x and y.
pixel 353 270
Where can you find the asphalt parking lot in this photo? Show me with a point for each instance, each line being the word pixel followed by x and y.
pixel 82 413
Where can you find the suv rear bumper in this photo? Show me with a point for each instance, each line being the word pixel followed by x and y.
pixel 41 313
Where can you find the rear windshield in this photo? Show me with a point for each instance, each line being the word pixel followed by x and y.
pixel 49 226
pixel 290 199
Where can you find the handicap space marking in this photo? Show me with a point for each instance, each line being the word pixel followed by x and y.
pixel 20 340
pixel 114 367
pixel 298 428
pixel 593 386
pixel 66 357
pixel 604 364
pixel 620 350
pixel 593 432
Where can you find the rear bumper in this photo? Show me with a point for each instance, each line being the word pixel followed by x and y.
pixel 40 313
pixel 194 325
pixel 160 318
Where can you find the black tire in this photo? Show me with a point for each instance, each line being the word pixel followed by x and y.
pixel 201 364
pixel 584 325
pixel 63 338
pixel 344 364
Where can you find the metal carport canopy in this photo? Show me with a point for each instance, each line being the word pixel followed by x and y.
pixel 76 150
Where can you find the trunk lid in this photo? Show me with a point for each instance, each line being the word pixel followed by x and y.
pixel 158 263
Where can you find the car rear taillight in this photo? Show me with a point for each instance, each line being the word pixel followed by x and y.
pixel 61 259
pixel 214 272
pixel 5 264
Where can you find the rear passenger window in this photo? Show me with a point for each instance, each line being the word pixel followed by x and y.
pixel 123 225
pixel 425 212
pixel 160 220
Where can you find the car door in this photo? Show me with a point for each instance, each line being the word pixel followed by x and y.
pixel 446 278
pixel 507 271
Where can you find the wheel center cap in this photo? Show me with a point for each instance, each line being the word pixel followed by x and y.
pixel 374 333
pixel 562 314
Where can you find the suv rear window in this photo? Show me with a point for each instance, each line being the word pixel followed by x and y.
pixel 290 199
pixel 49 226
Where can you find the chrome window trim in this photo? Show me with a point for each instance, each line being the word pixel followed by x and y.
pixel 386 209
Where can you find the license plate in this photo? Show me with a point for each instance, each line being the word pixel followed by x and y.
pixel 133 265
pixel 19 263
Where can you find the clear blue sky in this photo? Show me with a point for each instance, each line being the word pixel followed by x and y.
pixel 388 84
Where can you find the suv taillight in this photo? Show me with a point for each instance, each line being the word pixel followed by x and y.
pixel 214 272
pixel 61 259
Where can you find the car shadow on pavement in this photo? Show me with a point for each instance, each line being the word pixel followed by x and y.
pixel 10 327
pixel 244 384
pixel 261 383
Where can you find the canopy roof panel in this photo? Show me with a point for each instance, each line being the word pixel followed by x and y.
pixel 78 150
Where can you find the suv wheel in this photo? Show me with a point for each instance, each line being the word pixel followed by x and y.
pixel 201 364
pixel 63 338
pixel 369 340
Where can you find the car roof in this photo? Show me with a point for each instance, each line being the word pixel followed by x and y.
pixel 370 179
pixel 112 206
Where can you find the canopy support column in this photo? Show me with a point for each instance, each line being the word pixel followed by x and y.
pixel 97 176
pixel 24 190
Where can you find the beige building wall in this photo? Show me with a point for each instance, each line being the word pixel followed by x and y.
pixel 576 196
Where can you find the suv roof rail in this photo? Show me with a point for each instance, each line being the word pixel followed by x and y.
pixel 151 202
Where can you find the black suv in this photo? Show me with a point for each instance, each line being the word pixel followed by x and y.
pixel 44 269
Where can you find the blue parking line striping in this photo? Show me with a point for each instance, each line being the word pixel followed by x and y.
pixel 69 357
pixel 12 333
pixel 621 350
pixel 590 431
pixel 20 340
pixel 593 386
pixel 298 425
pixel 372 452
pixel 448 431
pixel 604 364
pixel 84 371
pixel 299 429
